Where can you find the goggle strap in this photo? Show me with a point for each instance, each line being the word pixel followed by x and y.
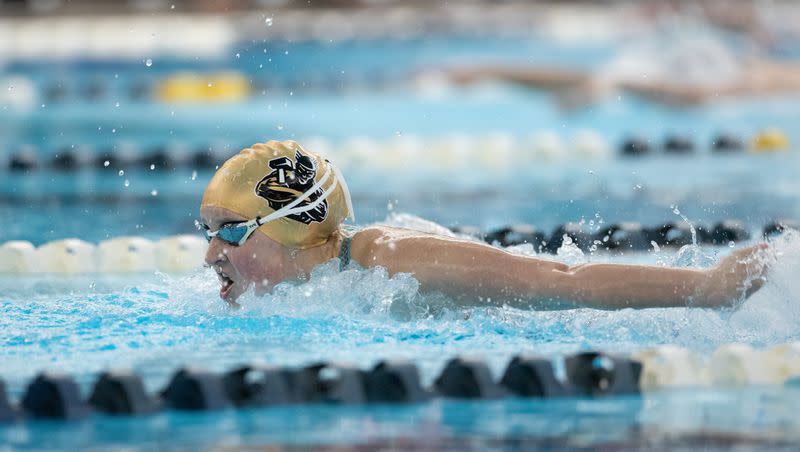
pixel 350 212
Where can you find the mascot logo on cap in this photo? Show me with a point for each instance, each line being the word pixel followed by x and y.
pixel 290 180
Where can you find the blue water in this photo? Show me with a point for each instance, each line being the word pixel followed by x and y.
pixel 155 323
pixel 755 189
pixel 624 423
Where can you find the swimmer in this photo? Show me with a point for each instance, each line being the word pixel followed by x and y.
pixel 686 67
pixel 275 211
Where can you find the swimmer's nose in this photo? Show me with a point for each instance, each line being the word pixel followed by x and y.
pixel 215 252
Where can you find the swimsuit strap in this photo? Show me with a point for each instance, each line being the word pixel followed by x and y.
pixel 344 252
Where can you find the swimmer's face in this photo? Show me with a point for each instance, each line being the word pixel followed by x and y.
pixel 260 261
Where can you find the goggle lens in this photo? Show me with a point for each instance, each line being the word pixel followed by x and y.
pixel 233 234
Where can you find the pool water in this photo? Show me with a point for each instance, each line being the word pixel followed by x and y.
pixel 155 323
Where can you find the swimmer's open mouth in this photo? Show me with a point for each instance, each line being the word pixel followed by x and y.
pixel 227 285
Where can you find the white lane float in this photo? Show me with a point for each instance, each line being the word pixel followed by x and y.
pixel 126 254
pixel 17 256
pixel 356 153
pixel 590 145
pixel 783 362
pixel 66 256
pixel 402 152
pixel 738 365
pixel 546 146
pixel 669 366
pixel 173 254
pixel 495 151
pixel 180 253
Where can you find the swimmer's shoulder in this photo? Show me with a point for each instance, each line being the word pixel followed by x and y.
pixel 373 238
pixel 385 245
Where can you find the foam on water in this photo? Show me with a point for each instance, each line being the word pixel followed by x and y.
pixel 159 322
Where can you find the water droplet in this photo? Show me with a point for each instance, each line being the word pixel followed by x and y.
pixel 210 84
pixel 116 104
pixel 127 183
pixel 268 21
pixel 172 7
pixel 113 130
pixel 148 62
pixel 731 244
pixel 154 192
pixel 280 126
pixel 121 173
pixel 237 55
pixel 286 52
pixel 152 166
pixel 106 163
pixel 10 88
pixel 194 175
pixel 638 187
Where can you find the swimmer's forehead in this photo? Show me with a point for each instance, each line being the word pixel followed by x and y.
pixel 214 217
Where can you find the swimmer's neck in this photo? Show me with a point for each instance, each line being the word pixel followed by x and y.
pixel 305 260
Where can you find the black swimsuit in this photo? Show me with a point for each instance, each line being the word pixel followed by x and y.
pixel 344 253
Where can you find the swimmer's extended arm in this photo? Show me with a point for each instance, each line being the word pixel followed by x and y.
pixel 541 78
pixel 475 272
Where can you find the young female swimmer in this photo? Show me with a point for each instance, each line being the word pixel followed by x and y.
pixel 274 211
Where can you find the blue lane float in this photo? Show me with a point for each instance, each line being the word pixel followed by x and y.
pixel 515 234
pixel 598 374
pixel 25 159
pixel 121 392
pixel 7 411
pixel 587 374
pixel 258 385
pixel 544 147
pixel 195 389
pixel 54 396
pixel 464 378
pixel 624 236
pixel 532 376
pixel 574 232
pixel 778 227
pixel 678 144
pixel 395 382
pixel 729 231
pixel 727 143
pixel 635 147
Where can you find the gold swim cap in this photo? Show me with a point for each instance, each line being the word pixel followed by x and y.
pixel 302 197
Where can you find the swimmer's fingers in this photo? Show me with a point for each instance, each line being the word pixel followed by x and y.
pixel 751 266
pixel 738 275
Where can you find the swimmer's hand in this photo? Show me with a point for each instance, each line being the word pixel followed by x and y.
pixel 736 276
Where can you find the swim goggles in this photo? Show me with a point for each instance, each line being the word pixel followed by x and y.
pixel 237 233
